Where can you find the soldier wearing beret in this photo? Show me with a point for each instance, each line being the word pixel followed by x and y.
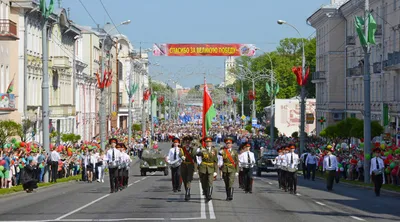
pixel 228 161
pixel 175 158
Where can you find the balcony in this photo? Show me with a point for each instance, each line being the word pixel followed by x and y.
pixel 393 61
pixel 318 75
pixel 377 68
pixel 61 62
pixel 7 103
pixel 355 71
pixel 8 30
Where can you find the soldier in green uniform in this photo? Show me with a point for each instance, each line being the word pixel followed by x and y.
pixel 207 160
pixel 228 161
pixel 187 167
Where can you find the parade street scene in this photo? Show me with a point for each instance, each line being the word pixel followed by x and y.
pixel 213 110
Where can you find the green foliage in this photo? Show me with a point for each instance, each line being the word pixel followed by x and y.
pixel 248 128
pixel 295 134
pixel 287 55
pixel 26 125
pixel 276 131
pixel 351 127
pixel 8 128
pixel 136 127
pixel 70 138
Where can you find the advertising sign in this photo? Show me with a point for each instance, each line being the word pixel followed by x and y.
pixel 204 49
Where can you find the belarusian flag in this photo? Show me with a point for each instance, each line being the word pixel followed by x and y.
pixel 10 88
pixel 208 110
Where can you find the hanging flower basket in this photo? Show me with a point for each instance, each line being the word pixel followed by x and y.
pixel 251 94
pixel 160 99
pixel 234 99
pixel 321 120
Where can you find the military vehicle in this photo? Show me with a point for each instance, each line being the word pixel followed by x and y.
pixel 152 161
pixel 264 163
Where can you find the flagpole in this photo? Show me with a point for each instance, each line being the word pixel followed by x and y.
pixel 367 98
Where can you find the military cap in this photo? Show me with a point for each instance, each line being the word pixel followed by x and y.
pixel 187 138
pixel 207 139
pixel 377 150
pixel 247 144
pixel 176 140
pixel 112 140
pixel 118 145
pixel 292 146
pixel 228 139
pixel 123 145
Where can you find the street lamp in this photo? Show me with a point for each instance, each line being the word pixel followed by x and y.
pixel 303 90
pixel 102 97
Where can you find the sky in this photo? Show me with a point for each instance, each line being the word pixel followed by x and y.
pixel 197 21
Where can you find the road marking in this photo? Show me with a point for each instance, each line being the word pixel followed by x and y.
pixel 143 178
pixel 83 207
pixel 322 204
pixel 202 204
pixel 137 181
pixel 357 218
pixel 211 210
pixel 269 183
pixel 153 173
pixel 298 194
pixel 130 184
pixel 190 218
pixel 120 219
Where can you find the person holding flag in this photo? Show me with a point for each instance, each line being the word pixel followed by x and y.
pixel 228 161
pixel 187 166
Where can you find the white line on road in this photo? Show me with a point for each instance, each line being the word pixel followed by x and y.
pixel 322 204
pixel 202 204
pixel 143 178
pixel 130 184
pixel 269 183
pixel 190 218
pixel 357 218
pixel 137 181
pixel 83 207
pixel 120 219
pixel 211 210
pixel 298 194
pixel 153 173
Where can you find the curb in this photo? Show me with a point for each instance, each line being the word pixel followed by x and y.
pixel 355 185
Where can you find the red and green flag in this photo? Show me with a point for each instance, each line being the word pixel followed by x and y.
pixel 46 11
pixel 10 88
pixel 209 111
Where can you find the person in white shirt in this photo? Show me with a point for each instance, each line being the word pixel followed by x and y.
pixel 247 160
pixel 54 157
pixel 278 162
pixel 377 171
pixel 113 158
pixel 311 164
pixel 330 165
pixel 90 161
pixel 292 162
pixel 100 167
pixel 128 161
pixel 175 155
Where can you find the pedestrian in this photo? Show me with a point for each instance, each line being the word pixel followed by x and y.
pixel 247 160
pixel 311 165
pixel 28 180
pixel 377 171
pixel 228 161
pixel 330 165
pixel 174 159
pixel 292 160
pixel 54 158
pixel 187 166
pixel 113 158
pixel 303 158
pixel 241 172
pixel 208 166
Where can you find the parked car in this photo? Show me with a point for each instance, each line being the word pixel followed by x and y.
pixel 264 163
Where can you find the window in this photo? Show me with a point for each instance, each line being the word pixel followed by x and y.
pixel 2 80
pixel 120 98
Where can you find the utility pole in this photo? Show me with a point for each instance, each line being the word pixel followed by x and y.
pixel 130 105
pixel 367 99
pixel 102 101
pixel 45 89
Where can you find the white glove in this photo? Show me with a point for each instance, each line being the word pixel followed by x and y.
pixel 236 174
pixel 215 174
pixel 183 158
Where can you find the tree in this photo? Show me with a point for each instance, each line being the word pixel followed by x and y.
pixel 276 131
pixel 70 138
pixel 27 124
pixel 330 132
pixel 136 127
pixel 295 134
pixel 8 128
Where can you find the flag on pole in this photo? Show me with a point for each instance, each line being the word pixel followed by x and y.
pixel 209 111
pixel 46 11
pixel 360 23
pixel 10 88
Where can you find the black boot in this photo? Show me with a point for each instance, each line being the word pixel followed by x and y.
pixel 187 195
pixel 231 193
pixel 209 193
pixel 227 193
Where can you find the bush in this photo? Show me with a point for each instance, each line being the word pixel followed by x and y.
pixel 295 134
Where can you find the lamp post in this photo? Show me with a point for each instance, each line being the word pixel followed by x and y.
pixel 102 97
pixel 303 90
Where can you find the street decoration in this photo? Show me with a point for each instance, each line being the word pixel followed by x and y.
pixel 209 111
pixel 234 99
pixel 321 120
pixel 146 95
pixel 131 91
pixel 46 11
pixel 251 94
pixel 298 72
pixel 160 99
pixel 359 24
pixel 106 81
pixel 272 91
pixel 204 49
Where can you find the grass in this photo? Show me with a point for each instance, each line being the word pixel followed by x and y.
pixel 389 187
pixel 19 187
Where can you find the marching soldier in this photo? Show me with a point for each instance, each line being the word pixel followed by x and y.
pixel 330 165
pixel 278 163
pixel 228 161
pixel 175 157
pixel 187 167
pixel 121 167
pixel 376 171
pixel 247 160
pixel 127 161
pixel 292 161
pixel 241 173
pixel 113 158
pixel 207 166
pixel 284 166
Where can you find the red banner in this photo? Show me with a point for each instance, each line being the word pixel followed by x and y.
pixel 204 50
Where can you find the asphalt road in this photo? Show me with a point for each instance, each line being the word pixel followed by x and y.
pixel 150 198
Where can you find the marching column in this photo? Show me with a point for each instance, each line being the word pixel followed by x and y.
pixel 113 158
pixel 330 165
pixel 187 167
pixel 175 157
pixel 247 160
pixel 292 161
pixel 228 161
pixel 208 167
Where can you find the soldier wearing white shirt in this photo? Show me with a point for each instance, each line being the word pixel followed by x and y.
pixel 113 158
pixel 122 166
pixel 377 171
pixel 126 159
pixel 292 161
pixel 284 165
pixel 175 154
pixel 247 160
pixel 278 162
pixel 330 165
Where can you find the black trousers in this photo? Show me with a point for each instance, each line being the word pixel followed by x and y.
pixel 305 170
pixel 114 185
pixel 311 171
pixel 378 181
pixel 291 178
pixel 176 177
pixel 279 171
pixel 248 179
pixel 241 179
pixel 330 178
pixel 83 170
pixel 283 179
pixel 54 171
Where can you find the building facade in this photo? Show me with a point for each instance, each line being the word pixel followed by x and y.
pixel 10 107
pixel 230 64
